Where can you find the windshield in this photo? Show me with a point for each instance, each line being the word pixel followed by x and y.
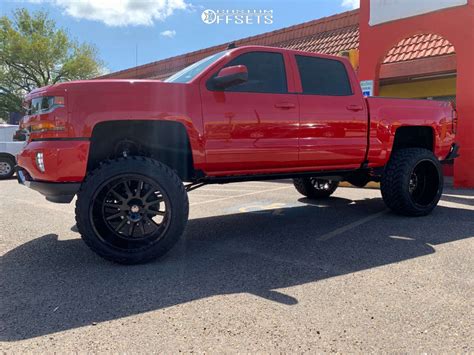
pixel 189 73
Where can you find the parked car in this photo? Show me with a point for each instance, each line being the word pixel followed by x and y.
pixel 8 150
pixel 125 147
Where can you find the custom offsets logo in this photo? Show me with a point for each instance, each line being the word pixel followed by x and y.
pixel 237 17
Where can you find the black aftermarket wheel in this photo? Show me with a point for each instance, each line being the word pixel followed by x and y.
pixel 132 210
pixel 412 183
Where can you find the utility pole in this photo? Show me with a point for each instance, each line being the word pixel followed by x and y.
pixel 136 59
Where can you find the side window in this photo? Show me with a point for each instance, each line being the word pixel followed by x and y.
pixel 266 73
pixel 320 76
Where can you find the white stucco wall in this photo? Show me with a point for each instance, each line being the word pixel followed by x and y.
pixel 390 10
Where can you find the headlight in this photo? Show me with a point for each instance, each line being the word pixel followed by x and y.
pixel 43 104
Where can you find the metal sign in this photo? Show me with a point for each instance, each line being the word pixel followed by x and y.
pixel 367 87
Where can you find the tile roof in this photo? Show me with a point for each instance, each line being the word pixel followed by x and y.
pixel 325 27
pixel 329 35
pixel 330 42
pixel 418 47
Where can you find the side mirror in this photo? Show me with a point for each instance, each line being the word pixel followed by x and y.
pixel 231 76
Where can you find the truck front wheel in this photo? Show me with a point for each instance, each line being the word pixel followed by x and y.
pixel 315 188
pixel 412 182
pixel 131 210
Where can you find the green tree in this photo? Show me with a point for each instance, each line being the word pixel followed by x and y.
pixel 35 53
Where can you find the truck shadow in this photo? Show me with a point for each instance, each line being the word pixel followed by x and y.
pixel 50 285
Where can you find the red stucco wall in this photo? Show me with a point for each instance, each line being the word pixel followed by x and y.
pixel 457 26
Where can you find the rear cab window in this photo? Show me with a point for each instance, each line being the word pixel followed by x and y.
pixel 322 76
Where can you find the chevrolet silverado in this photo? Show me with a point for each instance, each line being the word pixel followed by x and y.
pixel 132 149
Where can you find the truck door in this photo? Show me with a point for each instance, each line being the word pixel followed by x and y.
pixel 252 126
pixel 333 114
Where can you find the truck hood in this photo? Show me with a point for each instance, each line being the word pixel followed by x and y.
pixel 94 101
pixel 90 102
pixel 99 84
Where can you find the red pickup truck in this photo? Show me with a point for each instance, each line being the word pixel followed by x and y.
pixel 132 149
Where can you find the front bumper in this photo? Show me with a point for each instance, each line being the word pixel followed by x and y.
pixel 65 165
pixel 53 191
pixel 64 160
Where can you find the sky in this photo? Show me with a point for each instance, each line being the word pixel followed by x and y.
pixel 130 32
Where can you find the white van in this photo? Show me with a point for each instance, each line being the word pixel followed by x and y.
pixel 8 150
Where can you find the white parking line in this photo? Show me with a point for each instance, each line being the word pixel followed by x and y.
pixel 204 194
pixel 456 205
pixel 259 184
pixel 238 196
pixel 226 189
pixel 467 197
pixel 350 226
pixel 236 188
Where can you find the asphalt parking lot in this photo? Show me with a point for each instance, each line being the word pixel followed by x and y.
pixel 259 269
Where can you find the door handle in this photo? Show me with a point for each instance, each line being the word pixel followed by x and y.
pixel 285 105
pixel 355 108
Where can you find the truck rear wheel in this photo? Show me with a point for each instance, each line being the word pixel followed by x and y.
pixel 7 165
pixel 131 210
pixel 412 182
pixel 315 188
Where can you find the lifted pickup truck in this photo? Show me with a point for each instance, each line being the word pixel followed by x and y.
pixel 127 148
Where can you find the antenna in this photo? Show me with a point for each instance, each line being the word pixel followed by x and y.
pixel 136 59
